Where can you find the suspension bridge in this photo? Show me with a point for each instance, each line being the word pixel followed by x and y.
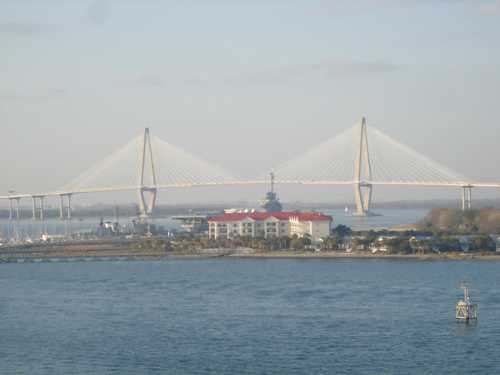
pixel 361 156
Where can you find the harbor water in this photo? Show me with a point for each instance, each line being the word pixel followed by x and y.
pixel 247 316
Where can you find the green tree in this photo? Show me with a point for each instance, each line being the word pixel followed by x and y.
pixel 331 242
pixel 398 245
pixel 482 243
pixel 297 243
pixel 448 243
pixel 342 231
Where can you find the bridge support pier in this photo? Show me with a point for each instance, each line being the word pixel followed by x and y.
pixel 363 198
pixel 69 207
pixel 11 216
pixel 362 172
pixel 41 209
pixel 18 209
pixel 10 210
pixel 62 208
pixel 38 207
pixel 34 207
pixel 466 198
pixel 146 206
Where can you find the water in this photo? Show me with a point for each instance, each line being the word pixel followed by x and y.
pixel 385 219
pixel 237 316
pixel 28 228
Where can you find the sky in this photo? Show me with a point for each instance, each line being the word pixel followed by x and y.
pixel 245 84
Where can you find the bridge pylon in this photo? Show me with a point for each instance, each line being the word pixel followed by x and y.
pixel 362 172
pixel 147 193
pixel 467 198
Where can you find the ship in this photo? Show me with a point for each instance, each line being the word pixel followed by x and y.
pixel 271 202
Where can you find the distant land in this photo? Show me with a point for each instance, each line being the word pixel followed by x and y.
pixel 436 203
pixel 131 209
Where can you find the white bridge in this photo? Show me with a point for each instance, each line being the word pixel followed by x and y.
pixel 360 156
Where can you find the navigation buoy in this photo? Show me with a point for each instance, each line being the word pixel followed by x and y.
pixel 465 311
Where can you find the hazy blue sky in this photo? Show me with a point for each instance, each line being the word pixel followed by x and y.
pixel 244 84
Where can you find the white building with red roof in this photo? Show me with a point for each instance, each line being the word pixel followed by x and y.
pixel 269 224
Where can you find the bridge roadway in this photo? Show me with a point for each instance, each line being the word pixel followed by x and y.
pixel 249 182
pixel 466 194
pixel 419 171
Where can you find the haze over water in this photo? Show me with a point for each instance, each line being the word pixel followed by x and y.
pixel 229 316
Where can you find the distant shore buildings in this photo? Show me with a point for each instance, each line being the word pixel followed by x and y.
pixel 270 224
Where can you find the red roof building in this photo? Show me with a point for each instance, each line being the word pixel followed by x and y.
pixel 302 216
pixel 270 224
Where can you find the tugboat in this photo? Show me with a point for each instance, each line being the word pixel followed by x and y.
pixel 465 311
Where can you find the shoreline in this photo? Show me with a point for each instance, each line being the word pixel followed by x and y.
pixel 361 256
pixel 97 253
